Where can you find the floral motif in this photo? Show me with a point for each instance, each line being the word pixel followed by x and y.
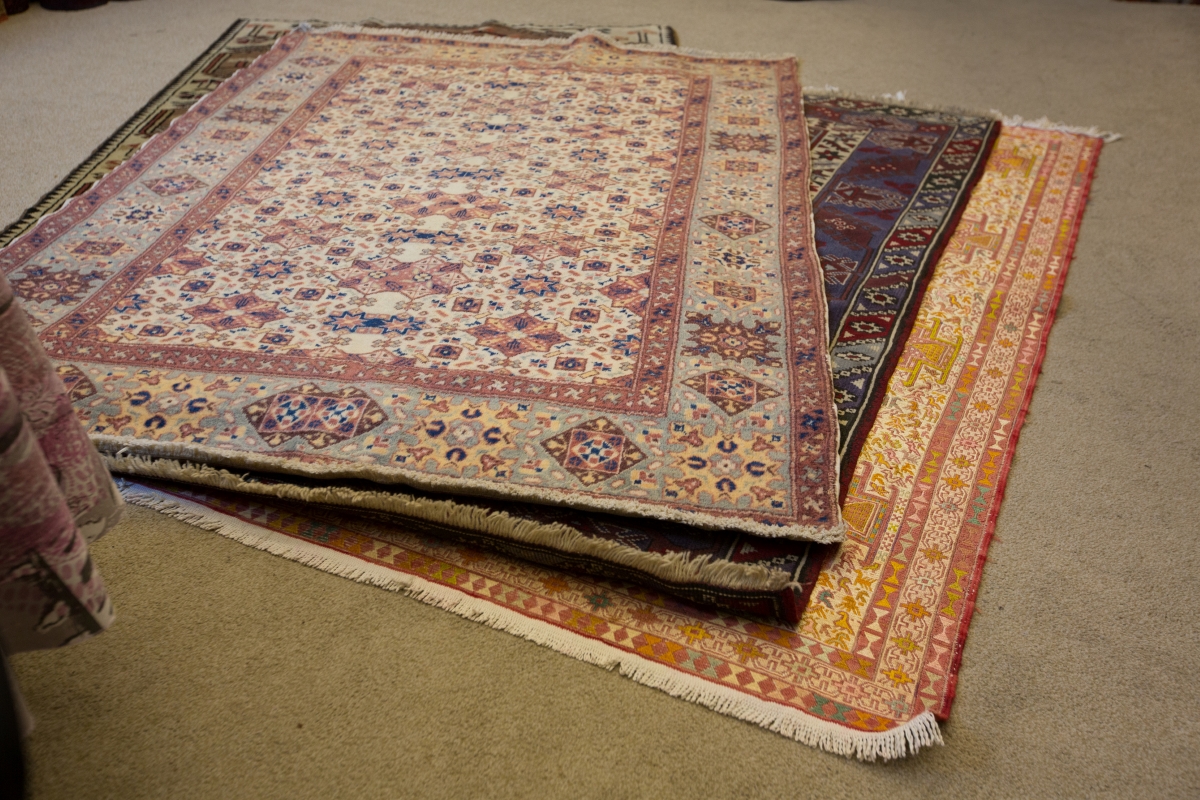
pixel 733 341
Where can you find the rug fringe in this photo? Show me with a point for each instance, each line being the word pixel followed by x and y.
pixel 1044 124
pixel 906 739
pixel 678 568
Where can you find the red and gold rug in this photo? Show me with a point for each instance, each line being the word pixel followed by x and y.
pixel 479 265
pixel 874 660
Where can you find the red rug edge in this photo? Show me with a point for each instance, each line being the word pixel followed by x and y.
pixel 942 712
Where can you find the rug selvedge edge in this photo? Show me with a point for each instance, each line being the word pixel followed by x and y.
pixel 942 710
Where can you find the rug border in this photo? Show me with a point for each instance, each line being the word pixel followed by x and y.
pixel 31 216
pixel 903 740
pixel 942 711
pixel 866 415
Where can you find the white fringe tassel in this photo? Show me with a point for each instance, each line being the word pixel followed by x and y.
pixel 921 731
pixel 1045 124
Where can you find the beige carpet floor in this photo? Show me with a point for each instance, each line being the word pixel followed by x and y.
pixel 233 673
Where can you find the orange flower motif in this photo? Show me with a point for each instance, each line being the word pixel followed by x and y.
pixel 916 610
pixel 645 615
pixel 897 676
pixel 554 585
pixel 694 633
pixel 954 482
pixel 746 651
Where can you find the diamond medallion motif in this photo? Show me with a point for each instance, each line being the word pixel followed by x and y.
pixel 519 334
pixel 413 279
pixel 594 451
pixel 237 311
pixel 735 224
pixel 321 418
pixel 732 393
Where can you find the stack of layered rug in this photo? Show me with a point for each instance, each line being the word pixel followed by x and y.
pixel 634 351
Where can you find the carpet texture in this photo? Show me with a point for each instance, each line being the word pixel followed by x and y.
pixel 489 244
pixel 1054 698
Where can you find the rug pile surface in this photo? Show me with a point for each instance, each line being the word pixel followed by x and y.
pixel 275 283
pixel 525 267
pixel 888 184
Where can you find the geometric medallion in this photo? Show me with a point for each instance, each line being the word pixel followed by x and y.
pixel 174 184
pixel 290 233
pixel 518 334
pixel 413 279
pixel 323 418
pixel 734 224
pixel 732 392
pixel 64 286
pixel 732 340
pixel 242 310
pixel 594 451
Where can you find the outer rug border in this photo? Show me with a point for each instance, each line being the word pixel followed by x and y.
pixel 989 529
